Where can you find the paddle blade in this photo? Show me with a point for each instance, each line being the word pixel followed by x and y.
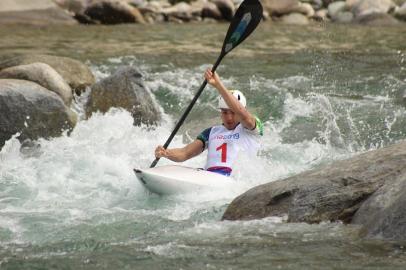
pixel 245 20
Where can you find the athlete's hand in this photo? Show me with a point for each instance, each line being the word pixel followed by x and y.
pixel 161 152
pixel 212 78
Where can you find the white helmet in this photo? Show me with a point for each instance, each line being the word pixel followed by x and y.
pixel 238 95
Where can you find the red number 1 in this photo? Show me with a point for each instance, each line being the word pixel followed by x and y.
pixel 223 149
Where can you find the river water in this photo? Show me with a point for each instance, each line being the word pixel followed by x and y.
pixel 325 93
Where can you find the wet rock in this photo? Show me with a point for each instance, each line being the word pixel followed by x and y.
pixel 226 8
pixel 365 7
pixel 124 89
pixel 383 215
pixel 33 111
pixel 280 7
pixel 295 19
pixel 377 19
pixel 113 12
pixel 329 193
pixel 75 73
pixel 43 75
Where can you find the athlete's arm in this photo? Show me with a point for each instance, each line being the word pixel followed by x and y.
pixel 180 154
pixel 246 118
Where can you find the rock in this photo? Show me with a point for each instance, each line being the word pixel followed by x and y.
pixel 210 10
pixel 329 193
pixel 43 75
pixel 44 17
pixel 76 74
pixel 113 12
pixel 377 19
pixel 383 215
pixel 181 10
pixel 400 13
pixel 226 8
pixel 31 110
pixel 280 7
pixel 24 5
pixel 304 8
pixel 124 89
pixel 321 15
pixel 295 18
pixel 365 7
pixel 335 8
pixel 75 6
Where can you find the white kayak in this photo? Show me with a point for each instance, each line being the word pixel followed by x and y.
pixel 174 179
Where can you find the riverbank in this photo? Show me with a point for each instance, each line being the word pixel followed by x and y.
pixel 295 12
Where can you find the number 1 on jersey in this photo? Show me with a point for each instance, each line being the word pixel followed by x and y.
pixel 223 149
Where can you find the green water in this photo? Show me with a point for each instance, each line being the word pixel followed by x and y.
pixel 325 92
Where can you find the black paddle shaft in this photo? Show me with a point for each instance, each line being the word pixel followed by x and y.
pixel 244 22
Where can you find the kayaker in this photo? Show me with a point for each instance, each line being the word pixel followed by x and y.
pixel 240 131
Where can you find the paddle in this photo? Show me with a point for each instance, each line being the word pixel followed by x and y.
pixel 244 22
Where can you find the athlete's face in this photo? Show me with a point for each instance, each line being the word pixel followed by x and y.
pixel 229 118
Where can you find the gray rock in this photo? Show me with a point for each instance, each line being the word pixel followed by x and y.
pixel 335 8
pixel 31 110
pixel 124 89
pixel 329 193
pixel 383 215
pixel 377 19
pixel 295 18
pixel 43 75
pixel 75 73
pixel 113 12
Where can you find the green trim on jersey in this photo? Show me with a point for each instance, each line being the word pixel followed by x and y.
pixel 259 125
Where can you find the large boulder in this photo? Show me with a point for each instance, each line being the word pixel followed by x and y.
pixel 383 215
pixel 210 10
pixel 31 110
pixel 366 7
pixel 75 73
pixel 329 193
pixel 43 75
pixel 124 89
pixel 113 12
pixel 34 12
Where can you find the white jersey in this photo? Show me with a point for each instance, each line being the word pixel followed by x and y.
pixel 224 146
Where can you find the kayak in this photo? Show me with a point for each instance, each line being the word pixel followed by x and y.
pixel 175 179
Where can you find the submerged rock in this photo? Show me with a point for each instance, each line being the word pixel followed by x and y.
pixel 335 193
pixel 124 89
pixel 31 110
pixel 75 73
pixel 42 74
